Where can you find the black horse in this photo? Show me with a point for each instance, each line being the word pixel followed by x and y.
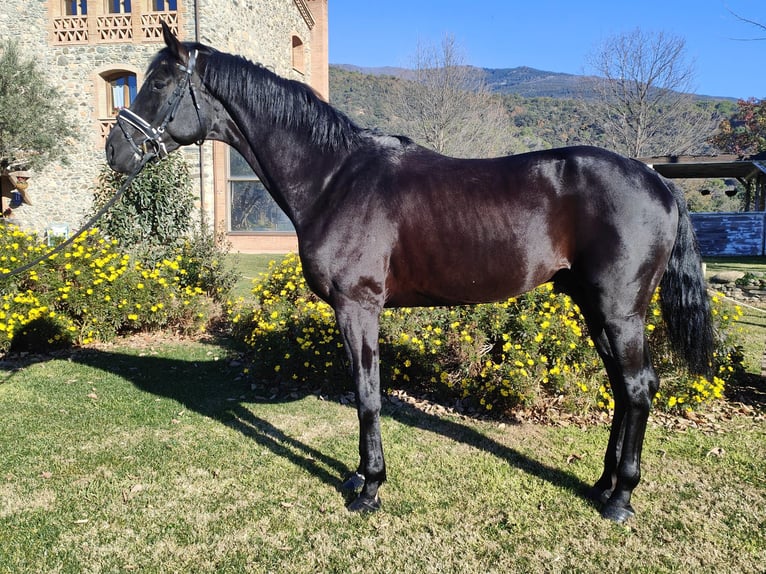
pixel 382 222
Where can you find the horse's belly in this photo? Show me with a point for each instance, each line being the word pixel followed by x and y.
pixel 478 256
pixel 469 284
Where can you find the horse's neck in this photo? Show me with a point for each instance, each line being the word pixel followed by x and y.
pixel 289 165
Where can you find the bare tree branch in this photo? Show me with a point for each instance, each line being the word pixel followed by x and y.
pixel 747 21
pixel 644 103
pixel 448 107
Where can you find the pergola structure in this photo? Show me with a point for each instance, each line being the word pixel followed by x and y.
pixel 750 171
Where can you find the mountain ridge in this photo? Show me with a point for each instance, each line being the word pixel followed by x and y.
pixel 521 80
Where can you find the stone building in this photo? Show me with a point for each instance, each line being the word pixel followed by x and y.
pixel 96 51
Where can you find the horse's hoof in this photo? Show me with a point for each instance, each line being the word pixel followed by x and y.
pixel 364 504
pixel 616 513
pixel 353 482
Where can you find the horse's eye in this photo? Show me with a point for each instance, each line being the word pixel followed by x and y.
pixel 158 85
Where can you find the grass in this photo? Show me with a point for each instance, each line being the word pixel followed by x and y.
pixel 751 332
pixel 249 266
pixel 752 327
pixel 156 458
pixel 751 264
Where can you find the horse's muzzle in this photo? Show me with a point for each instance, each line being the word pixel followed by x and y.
pixel 133 140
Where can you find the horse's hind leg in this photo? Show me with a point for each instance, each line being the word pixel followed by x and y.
pixel 604 486
pixel 619 339
pixel 634 383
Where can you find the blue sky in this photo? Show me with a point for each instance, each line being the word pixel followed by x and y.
pixel 554 35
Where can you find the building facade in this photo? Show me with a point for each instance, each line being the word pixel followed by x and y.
pixel 96 51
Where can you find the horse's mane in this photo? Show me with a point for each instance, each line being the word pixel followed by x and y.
pixel 288 103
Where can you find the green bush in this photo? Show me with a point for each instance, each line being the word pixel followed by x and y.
pixel 204 257
pixel 496 357
pixel 154 214
pixel 91 291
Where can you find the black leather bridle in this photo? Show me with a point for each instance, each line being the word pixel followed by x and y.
pixel 152 143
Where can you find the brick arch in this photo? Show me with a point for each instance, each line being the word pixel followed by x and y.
pixel 298 55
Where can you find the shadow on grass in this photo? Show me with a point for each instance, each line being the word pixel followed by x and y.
pixel 211 388
pixel 748 389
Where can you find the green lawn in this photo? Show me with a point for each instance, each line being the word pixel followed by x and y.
pixel 157 458
pixel 250 266
pixel 751 264
pixel 751 329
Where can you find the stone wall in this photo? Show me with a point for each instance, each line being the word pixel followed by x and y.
pixel 261 30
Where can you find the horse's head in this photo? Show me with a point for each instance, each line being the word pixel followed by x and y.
pixel 171 109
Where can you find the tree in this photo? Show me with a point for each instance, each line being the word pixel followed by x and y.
pixel 33 126
pixel 643 103
pixel 745 133
pixel 447 106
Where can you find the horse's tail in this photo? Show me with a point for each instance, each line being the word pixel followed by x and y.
pixel 683 296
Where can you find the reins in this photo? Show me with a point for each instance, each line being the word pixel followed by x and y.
pixel 147 157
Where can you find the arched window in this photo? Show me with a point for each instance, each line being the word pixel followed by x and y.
pixel 115 89
pixel 298 55
pixel 121 88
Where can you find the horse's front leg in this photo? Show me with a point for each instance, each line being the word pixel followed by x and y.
pixel 359 326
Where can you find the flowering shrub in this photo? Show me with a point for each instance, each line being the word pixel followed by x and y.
pixel 679 390
pixel 90 291
pixel 291 332
pixel 204 258
pixel 153 223
pixel 495 356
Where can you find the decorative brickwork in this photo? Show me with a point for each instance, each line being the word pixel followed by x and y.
pixel 70 30
pixel 150 24
pixel 141 24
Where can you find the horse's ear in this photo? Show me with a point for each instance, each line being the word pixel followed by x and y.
pixel 175 46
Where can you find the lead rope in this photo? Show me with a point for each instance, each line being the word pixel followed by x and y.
pixel 59 248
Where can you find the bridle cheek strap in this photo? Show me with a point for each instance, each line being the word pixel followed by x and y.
pixel 152 143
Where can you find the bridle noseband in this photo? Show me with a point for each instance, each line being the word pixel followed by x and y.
pixel 152 143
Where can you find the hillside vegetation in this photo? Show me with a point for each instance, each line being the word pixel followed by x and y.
pixel 546 109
